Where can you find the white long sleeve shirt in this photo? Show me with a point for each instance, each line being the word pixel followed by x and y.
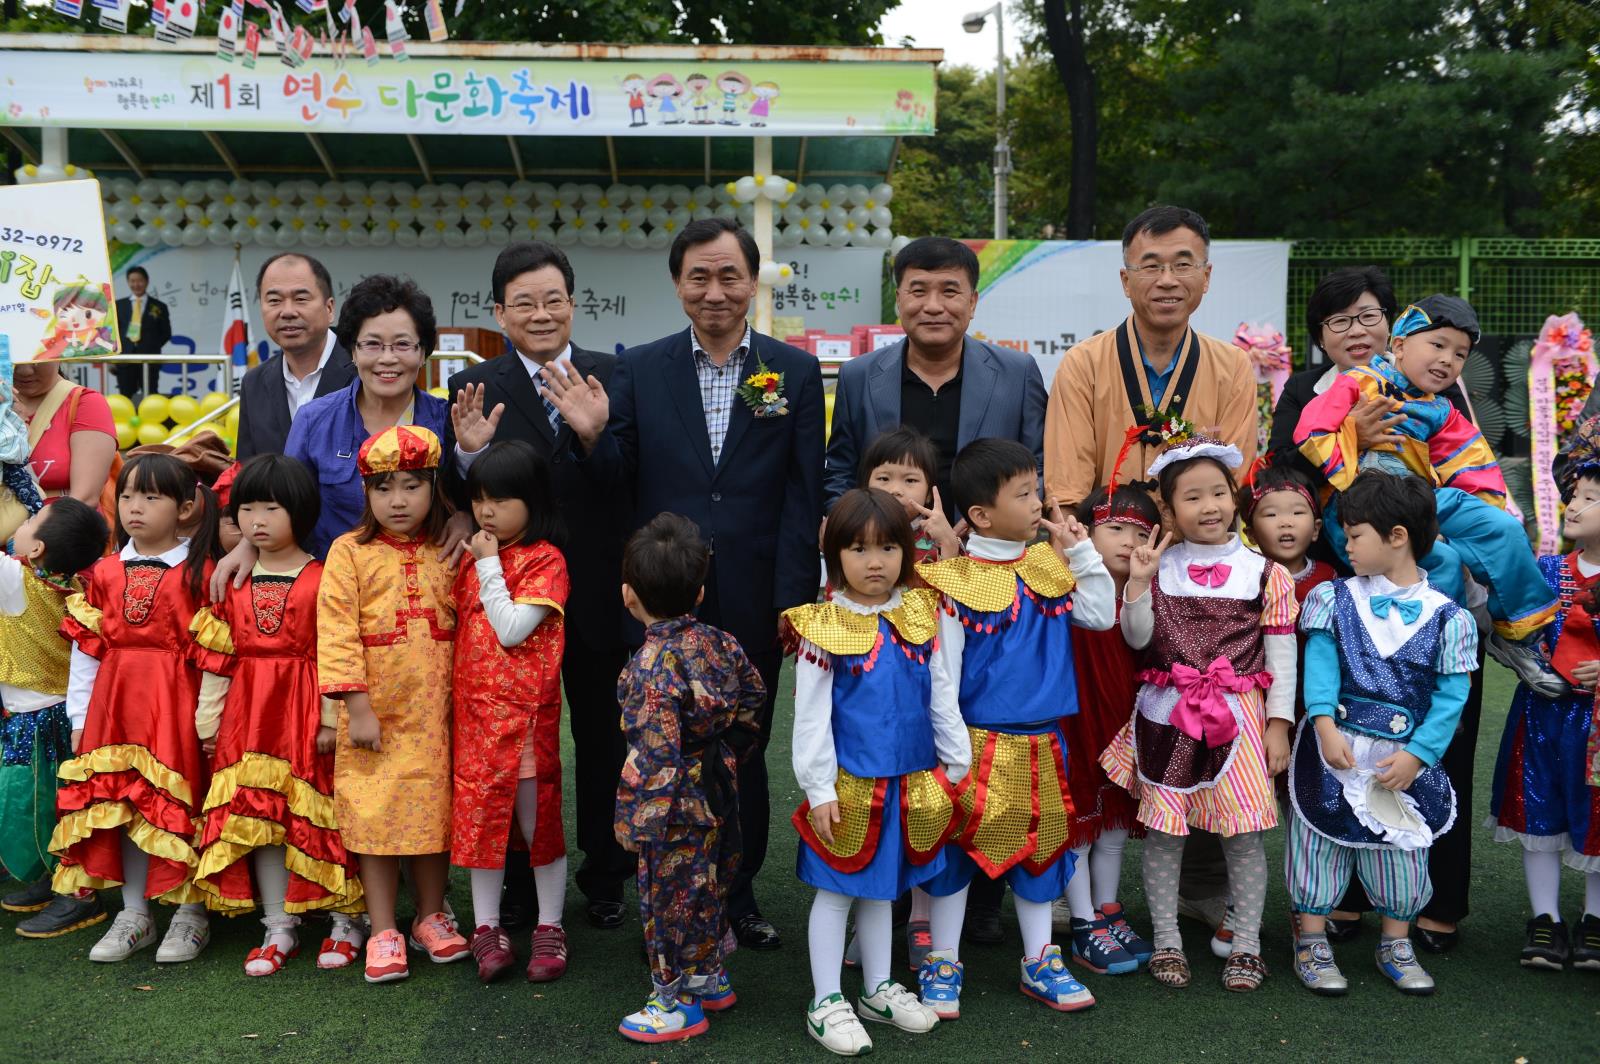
pixel 816 764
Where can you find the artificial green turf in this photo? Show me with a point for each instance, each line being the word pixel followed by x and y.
pixel 60 1007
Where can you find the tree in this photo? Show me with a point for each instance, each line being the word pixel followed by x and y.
pixel 1064 29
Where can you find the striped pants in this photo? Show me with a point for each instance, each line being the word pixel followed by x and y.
pixel 1318 872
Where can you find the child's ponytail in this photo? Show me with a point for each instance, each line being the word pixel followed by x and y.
pixel 205 545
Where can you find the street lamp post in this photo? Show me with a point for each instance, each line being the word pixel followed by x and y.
pixel 974 23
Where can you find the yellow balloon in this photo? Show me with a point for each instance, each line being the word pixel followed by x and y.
pixel 153 409
pixel 152 432
pixel 121 407
pixel 127 435
pixel 439 393
pixel 233 444
pixel 827 402
pixel 182 409
pixel 230 422
pixel 212 401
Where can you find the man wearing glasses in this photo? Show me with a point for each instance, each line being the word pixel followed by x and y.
pixel 495 400
pixel 1152 361
pixel 1113 381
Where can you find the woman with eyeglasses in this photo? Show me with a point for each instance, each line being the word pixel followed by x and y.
pixel 387 325
pixel 1348 317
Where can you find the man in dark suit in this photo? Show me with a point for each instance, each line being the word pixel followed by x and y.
pixel 496 400
pixel 296 293
pixel 938 380
pixel 674 432
pixel 145 324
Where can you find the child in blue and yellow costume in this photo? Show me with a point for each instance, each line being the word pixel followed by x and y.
pixel 1430 343
pixel 872 758
pixel 1006 656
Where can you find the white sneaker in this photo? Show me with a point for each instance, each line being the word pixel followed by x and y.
pixel 186 936
pixel 833 1023
pixel 129 933
pixel 893 1003
pixel 1060 915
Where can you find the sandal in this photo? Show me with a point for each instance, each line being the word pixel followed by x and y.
pixel 1244 972
pixel 1170 967
pixel 335 953
pixel 272 956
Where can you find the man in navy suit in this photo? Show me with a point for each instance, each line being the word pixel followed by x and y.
pixel 533 284
pixel 938 380
pixel 146 326
pixel 675 431
pixel 296 293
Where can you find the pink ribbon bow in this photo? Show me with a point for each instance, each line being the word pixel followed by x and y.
pixel 1214 575
pixel 1202 713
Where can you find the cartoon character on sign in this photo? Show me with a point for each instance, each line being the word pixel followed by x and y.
pixel 668 91
pixel 78 326
pixel 697 84
pixel 765 92
pixel 732 85
pixel 633 85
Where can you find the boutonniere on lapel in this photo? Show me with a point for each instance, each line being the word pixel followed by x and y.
pixel 762 392
pixel 153 311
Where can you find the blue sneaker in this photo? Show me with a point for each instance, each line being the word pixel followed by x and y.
pixel 1047 979
pixel 664 1022
pixel 721 996
pixel 940 978
pixel 1137 946
pixel 1094 947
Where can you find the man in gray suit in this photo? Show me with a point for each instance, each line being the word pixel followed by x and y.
pixel 938 380
pixel 951 388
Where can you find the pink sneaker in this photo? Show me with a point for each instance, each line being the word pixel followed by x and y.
pixel 492 947
pixel 549 960
pixel 386 957
pixel 434 935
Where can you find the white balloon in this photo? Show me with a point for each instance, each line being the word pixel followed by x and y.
pixel 260 190
pixel 658 217
pixel 610 237
pixel 331 216
pixel 217 211
pixel 589 236
pixel 454 238
pixel 521 213
pixel 544 214
pixel 569 190
pixel 881 238
pixel 860 238
pixel 123 187
pixel 792 212
pixel 407 238
pixel 567 235
pixel 816 236
pixel 769 273
pixel 495 191
pixel 636 239
pixel 745 189
pixel 499 236
pixel 545 234
pixel 288 238
pixel 857 195
pixel 860 216
pixel 332 191
pixel 726 210
pixel 428 194
pixel 308 213
pixel 240 233
pixel 705 211
pixel 723 193
pixel 125 233
pixel 147 189
pixel 306 189
pixel 193 235
pixel 838 238
pixel 569 211
pixel 427 217
pixel 474 191
pixel 500 212
pixel 429 238
pixel 882 193
pixel 746 214
pixel 283 216
pixel 381 191
pixel 358 237
pixel 215 189
pixel 380 237
pixel 544 190
pixel 266 235
pixel 881 217
pixel 592 214
pixel 147 211
pixel 776 189
pixel 658 238
pixel 193 212
pixel 898 243
pixel 312 237
pixel 335 238
pixel 591 193
pixel 169 190
pixel 357 213
pixel 450 215
pixel 523 190
pixel 789 235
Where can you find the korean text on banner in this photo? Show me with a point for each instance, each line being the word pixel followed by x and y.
pixel 55 274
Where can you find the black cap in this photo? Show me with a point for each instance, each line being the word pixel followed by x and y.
pixel 1438 312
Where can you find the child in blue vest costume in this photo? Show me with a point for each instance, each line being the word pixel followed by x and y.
pixel 874 762
pixel 1388 664
pixel 1545 798
pixel 1006 655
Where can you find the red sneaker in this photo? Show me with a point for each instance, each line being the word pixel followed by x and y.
pixel 492 948
pixel 386 957
pixel 436 936
pixel 549 960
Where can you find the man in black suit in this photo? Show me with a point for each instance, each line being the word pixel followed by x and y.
pixel 533 285
pixel 673 432
pixel 296 293
pixel 145 324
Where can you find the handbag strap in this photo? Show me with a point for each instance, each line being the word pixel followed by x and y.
pixel 48 407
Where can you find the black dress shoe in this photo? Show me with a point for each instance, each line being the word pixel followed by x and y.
pixel 983 925
pixel 1343 930
pixel 606 915
pixel 1435 941
pixel 756 932
pixel 514 914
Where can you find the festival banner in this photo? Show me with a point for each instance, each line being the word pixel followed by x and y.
pixel 55 274
pixel 1561 368
pixel 521 97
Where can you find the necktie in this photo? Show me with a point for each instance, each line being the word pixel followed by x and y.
pixel 133 324
pixel 1214 575
pixel 1410 609
pixel 551 412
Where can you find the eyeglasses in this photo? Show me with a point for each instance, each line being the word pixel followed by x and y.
pixel 1341 322
pixel 378 347
pixel 1180 271
pixel 553 306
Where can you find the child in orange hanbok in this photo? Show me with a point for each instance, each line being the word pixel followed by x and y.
pixel 128 799
pixel 508 703
pixel 385 625
pixel 267 827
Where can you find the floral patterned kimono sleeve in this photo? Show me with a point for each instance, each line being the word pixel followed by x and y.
pixel 655 772
pixel 341 660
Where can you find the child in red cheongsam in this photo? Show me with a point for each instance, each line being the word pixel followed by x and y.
pixel 508 703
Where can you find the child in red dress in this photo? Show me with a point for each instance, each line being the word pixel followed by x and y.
pixel 269 810
pixel 509 642
pixel 129 797
pixel 1118 520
